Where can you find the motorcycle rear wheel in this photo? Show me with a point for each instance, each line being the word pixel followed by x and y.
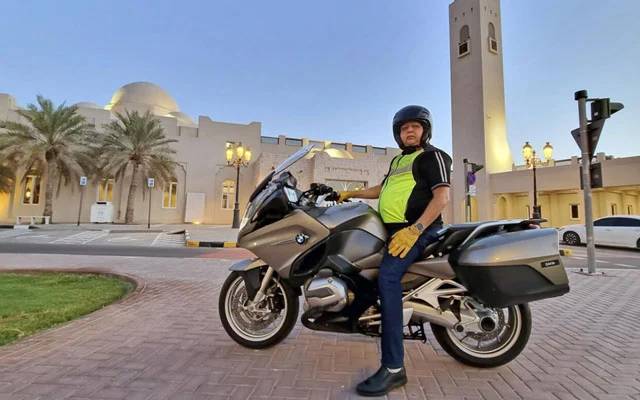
pixel 515 335
pixel 265 328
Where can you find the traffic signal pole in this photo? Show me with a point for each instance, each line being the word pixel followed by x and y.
pixel 467 195
pixel 581 97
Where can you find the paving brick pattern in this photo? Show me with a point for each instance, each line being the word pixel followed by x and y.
pixel 166 342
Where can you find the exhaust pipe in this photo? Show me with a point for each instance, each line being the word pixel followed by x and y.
pixel 423 312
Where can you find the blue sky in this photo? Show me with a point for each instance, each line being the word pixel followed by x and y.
pixel 334 70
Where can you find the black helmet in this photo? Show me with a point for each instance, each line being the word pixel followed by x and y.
pixel 412 113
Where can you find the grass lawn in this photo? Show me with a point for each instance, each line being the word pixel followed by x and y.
pixel 30 302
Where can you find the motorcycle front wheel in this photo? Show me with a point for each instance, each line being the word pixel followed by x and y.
pixel 257 326
pixel 488 349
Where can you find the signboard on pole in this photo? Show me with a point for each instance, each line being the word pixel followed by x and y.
pixel 151 182
pixel 83 181
pixel 473 190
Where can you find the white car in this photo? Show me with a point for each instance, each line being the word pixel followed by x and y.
pixel 616 230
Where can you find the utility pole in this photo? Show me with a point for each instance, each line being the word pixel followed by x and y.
pixel 470 170
pixel 587 136
pixel 151 183
pixel 581 97
pixel 83 183
pixel 467 195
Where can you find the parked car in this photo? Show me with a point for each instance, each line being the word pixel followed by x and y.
pixel 616 230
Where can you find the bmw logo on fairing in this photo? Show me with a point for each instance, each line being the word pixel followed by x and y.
pixel 301 238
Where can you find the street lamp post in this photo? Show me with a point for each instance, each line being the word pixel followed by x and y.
pixel 529 154
pixel 237 156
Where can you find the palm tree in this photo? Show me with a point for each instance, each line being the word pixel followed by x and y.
pixel 53 141
pixel 7 177
pixel 137 143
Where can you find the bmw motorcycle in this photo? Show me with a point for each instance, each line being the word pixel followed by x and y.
pixel 472 285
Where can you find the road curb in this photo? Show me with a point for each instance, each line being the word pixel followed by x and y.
pixel 198 243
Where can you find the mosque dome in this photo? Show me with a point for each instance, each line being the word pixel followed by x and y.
pixel 142 97
pixel 183 119
pixel 87 104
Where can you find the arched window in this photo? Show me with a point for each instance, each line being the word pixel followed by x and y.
pixel 492 30
pixel 493 43
pixel 228 191
pixel 105 190
pixel 463 45
pixel 170 195
pixel 31 189
pixel 464 34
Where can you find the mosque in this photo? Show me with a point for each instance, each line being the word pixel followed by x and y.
pixel 204 187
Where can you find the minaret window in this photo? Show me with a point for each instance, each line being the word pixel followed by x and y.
pixel 465 42
pixel 493 43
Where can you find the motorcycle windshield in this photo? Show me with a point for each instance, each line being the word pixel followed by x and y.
pixel 292 159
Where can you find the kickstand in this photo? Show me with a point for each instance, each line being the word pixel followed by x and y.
pixel 419 333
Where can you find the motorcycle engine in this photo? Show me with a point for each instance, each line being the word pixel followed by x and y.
pixel 325 293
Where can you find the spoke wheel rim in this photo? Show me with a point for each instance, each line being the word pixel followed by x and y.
pixel 502 343
pixel 238 320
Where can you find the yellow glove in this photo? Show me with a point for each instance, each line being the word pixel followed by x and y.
pixel 403 240
pixel 344 196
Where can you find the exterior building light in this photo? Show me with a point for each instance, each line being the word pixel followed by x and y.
pixel 237 156
pixel 527 152
pixel 547 150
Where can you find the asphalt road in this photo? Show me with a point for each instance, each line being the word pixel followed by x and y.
pixel 606 258
pixel 116 250
pixel 105 237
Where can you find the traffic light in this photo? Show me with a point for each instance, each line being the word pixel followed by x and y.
pixel 471 175
pixel 476 167
pixel 601 109
pixel 604 108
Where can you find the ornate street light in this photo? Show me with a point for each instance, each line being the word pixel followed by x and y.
pixel 529 154
pixel 237 156
pixel 547 150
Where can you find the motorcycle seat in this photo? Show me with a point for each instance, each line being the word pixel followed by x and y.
pixel 450 238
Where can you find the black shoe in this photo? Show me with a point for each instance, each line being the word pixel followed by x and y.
pixel 382 382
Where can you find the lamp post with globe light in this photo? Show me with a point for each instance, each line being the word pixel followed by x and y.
pixel 237 156
pixel 529 154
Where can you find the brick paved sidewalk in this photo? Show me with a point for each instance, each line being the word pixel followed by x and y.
pixel 167 343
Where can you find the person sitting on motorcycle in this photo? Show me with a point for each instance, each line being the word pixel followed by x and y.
pixel 411 199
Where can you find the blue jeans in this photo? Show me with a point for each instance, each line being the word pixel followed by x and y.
pixel 390 292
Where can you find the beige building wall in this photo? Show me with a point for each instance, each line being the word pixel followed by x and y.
pixel 559 189
pixel 200 151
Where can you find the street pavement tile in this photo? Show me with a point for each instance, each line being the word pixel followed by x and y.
pixel 166 341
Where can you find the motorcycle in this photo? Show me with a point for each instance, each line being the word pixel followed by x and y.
pixel 472 285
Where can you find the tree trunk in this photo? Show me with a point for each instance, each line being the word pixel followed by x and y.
pixel 131 198
pixel 49 188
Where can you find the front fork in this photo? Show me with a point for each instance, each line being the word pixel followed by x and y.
pixel 260 294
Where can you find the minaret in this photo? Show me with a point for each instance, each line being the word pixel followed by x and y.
pixel 477 100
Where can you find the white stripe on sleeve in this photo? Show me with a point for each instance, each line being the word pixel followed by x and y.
pixel 441 164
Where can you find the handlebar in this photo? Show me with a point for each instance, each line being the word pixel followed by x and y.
pixel 319 189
